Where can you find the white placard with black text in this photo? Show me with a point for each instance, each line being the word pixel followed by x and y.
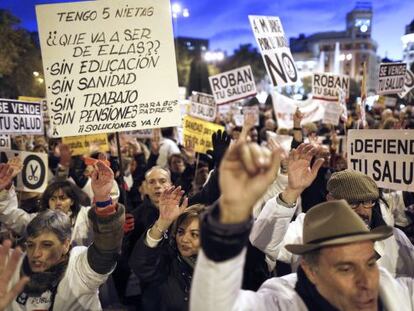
pixel 391 78
pixel 20 117
pixel 274 47
pixel 203 106
pixel 5 142
pixel 109 66
pixel 33 177
pixel 325 86
pixel 387 156
pixel 233 85
pixel 408 84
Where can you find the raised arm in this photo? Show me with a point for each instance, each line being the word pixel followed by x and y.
pixel 272 224
pixel 107 219
pixel 9 259
pixel 245 172
pixel 11 216
pixel 147 259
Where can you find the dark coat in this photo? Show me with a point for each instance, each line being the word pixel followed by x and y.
pixel 165 277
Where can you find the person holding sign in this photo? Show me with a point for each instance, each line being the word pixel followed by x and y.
pixel 65 278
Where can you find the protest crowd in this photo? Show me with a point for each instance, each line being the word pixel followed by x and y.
pixel 234 204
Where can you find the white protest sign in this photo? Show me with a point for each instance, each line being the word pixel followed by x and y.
pixel 408 84
pixel 233 85
pixel 109 66
pixel 384 155
pixel 342 103
pixel 390 101
pixel 33 177
pixel 223 110
pixel 325 86
pixel 238 119
pixel 251 111
pixel 285 107
pixel 203 106
pixel 5 142
pixel 391 78
pixel 142 134
pixel 333 112
pixel 19 117
pixel 285 141
pixel 274 47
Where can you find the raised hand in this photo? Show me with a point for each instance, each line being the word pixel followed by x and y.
pixel 9 171
pixel 221 141
pixel 245 173
pixel 16 165
pixel 8 265
pixel 170 209
pixel 189 151
pixel 300 173
pixel 135 147
pixel 156 141
pixel 297 118
pixel 102 181
pixel 169 205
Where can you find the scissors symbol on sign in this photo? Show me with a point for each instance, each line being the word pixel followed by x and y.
pixel 33 175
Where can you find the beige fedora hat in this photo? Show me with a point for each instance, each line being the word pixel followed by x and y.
pixel 333 223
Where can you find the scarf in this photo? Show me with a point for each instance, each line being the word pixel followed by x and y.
pixel 43 281
pixel 311 297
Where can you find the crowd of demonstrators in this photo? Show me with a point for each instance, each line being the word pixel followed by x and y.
pixel 152 223
pixel 62 276
pixel 338 267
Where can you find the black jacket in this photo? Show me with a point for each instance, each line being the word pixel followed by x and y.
pixel 165 277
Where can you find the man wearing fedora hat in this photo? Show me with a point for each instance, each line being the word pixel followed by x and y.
pixel 396 254
pixel 338 270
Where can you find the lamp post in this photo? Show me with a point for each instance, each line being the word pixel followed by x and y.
pixel 177 12
pixel 213 56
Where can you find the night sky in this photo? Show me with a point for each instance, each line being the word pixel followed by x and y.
pixel 226 24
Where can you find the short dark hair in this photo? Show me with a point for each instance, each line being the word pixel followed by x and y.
pixel 56 222
pixel 175 155
pixel 167 132
pixel 193 211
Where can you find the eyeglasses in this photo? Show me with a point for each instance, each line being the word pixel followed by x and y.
pixel 364 204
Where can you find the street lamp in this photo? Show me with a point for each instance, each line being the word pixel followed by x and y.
pixel 178 11
pixel 214 56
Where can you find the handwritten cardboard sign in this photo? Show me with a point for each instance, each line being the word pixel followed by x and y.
pixel 109 66
pixel 274 46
